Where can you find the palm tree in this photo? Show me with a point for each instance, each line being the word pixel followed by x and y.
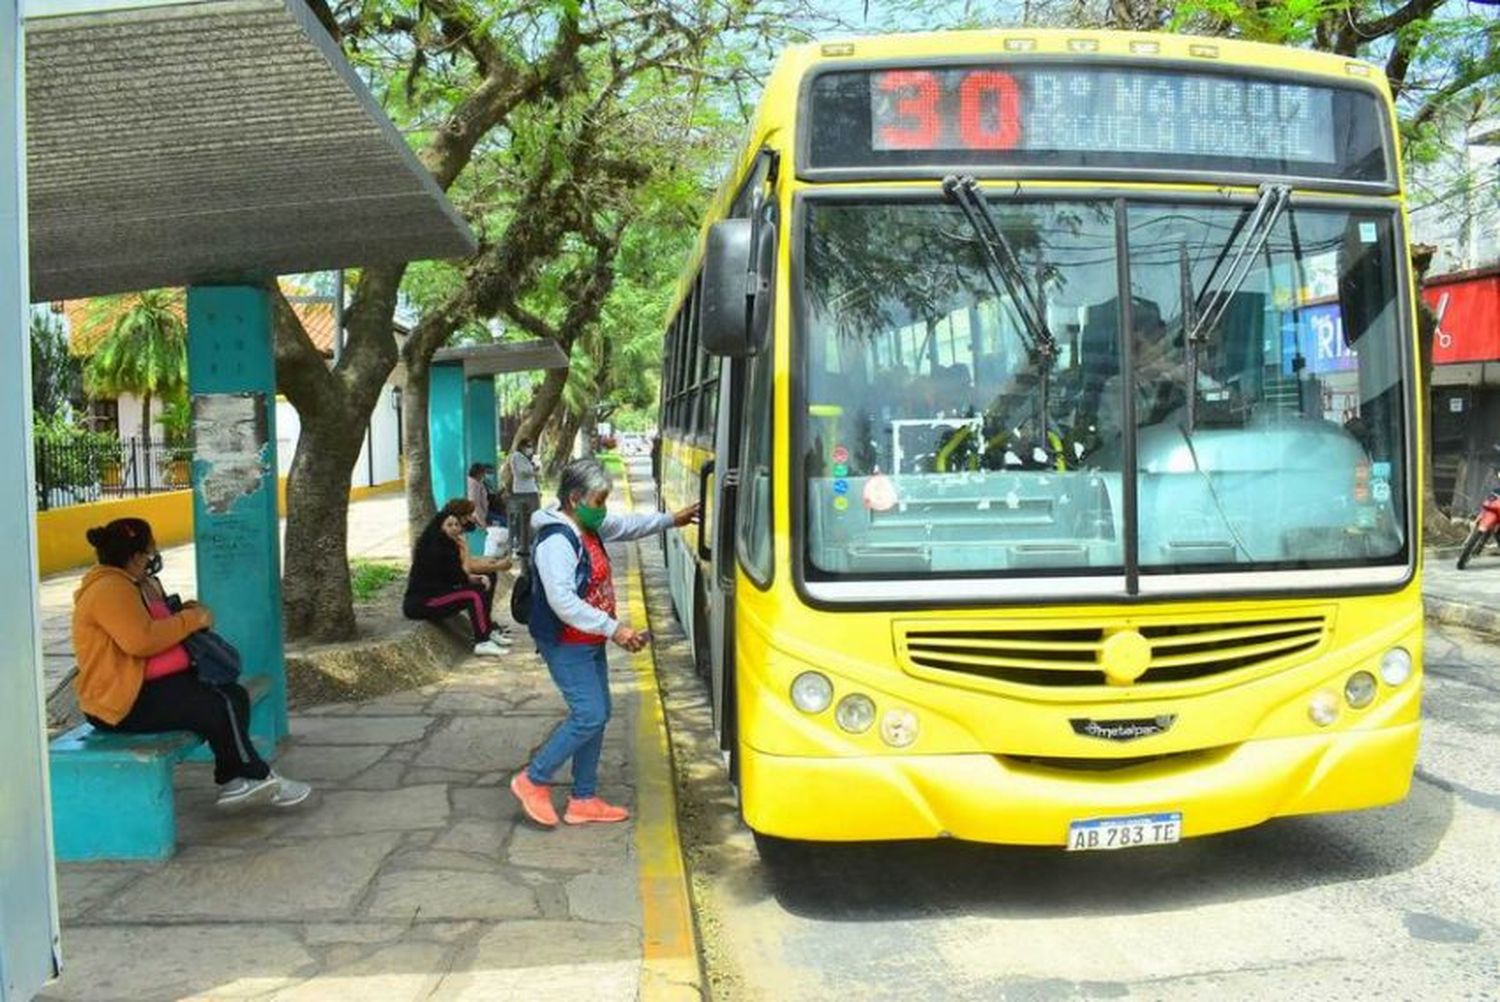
pixel 144 353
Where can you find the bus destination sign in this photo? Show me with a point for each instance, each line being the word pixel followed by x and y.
pixel 1039 116
pixel 1101 110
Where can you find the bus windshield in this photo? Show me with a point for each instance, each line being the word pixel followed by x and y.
pixel 1265 401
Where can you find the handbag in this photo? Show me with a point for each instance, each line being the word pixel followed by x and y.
pixel 215 660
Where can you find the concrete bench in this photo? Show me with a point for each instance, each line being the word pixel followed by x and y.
pixel 112 795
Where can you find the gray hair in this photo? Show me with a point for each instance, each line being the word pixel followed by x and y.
pixel 580 478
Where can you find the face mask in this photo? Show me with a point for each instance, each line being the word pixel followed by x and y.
pixel 589 517
pixel 153 566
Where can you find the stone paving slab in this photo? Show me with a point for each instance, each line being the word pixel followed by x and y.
pixel 409 874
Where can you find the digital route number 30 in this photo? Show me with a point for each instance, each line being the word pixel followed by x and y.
pixel 989 110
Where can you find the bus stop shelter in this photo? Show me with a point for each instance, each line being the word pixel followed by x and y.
pixel 206 143
pixel 462 408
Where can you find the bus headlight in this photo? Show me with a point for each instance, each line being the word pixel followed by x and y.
pixel 1323 709
pixel 898 728
pixel 1360 690
pixel 812 692
pixel 1395 667
pixel 855 713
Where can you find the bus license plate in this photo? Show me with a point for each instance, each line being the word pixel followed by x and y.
pixel 1125 833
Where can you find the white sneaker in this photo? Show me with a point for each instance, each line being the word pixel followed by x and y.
pixel 289 792
pixel 241 792
pixel 490 649
pixel 501 635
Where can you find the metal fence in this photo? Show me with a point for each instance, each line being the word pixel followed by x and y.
pixel 69 473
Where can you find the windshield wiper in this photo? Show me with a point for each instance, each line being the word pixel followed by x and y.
pixel 1204 312
pixel 1003 268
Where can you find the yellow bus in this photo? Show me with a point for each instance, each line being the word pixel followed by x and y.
pixel 1052 399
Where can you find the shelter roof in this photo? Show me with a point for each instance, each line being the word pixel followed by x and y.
pixel 211 141
pixel 505 356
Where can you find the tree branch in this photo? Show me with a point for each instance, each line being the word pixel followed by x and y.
pixel 1469 74
pixel 301 372
pixel 1415 10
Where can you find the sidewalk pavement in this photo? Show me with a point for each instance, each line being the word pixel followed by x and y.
pixel 377 531
pixel 1468 598
pixel 410 874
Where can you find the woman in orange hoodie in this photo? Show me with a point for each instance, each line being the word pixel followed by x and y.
pixel 135 676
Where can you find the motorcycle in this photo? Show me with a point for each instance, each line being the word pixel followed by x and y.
pixel 1485 524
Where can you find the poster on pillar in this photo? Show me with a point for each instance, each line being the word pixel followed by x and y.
pixel 1468 316
pixel 232 455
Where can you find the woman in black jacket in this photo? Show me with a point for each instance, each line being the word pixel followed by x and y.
pixel 438 586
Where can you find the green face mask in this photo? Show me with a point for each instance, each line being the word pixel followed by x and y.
pixel 589 517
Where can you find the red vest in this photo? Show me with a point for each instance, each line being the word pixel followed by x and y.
pixel 599 593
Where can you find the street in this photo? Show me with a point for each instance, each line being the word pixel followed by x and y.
pixel 1399 902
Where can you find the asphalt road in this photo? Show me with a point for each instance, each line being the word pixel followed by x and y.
pixel 1397 903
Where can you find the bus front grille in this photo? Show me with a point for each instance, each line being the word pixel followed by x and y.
pixel 1073 655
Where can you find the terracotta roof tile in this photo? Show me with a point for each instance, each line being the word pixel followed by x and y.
pixel 89 324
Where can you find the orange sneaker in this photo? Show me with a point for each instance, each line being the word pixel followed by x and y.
pixel 536 799
pixel 593 810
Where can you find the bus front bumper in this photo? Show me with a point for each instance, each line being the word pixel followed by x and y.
pixel 990 798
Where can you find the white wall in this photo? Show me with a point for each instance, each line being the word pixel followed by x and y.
pixel 382 435
pixel 130 417
pixel 129 411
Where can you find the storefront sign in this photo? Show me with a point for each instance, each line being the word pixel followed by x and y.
pixel 1468 315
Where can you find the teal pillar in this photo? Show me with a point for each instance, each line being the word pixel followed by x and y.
pixel 483 443
pixel 236 526
pixel 480 434
pixel 446 419
pixel 28 908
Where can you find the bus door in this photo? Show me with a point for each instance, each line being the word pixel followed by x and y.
pixel 718 532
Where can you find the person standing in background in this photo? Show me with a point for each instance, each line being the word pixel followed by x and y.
pixel 479 493
pixel 524 498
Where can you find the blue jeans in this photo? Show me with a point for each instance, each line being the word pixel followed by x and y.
pixel 581 672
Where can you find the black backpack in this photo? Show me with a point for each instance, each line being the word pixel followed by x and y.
pixel 521 592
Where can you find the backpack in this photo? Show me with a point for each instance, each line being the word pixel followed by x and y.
pixel 521 592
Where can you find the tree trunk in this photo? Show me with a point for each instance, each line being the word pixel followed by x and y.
pixel 420 508
pixel 568 424
pixel 543 403
pixel 318 599
pixel 1439 528
pixel 334 406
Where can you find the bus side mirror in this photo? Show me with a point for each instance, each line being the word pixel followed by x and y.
pixel 726 289
pixel 738 262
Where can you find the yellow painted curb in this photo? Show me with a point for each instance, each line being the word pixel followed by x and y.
pixel 670 968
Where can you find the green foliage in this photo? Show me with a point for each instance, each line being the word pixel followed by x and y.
pixel 69 457
pixel 610 161
pixel 60 429
pixel 176 421
pixel 368 578
pixel 56 375
pixel 145 352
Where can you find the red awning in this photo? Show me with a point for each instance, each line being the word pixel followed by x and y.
pixel 1468 312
